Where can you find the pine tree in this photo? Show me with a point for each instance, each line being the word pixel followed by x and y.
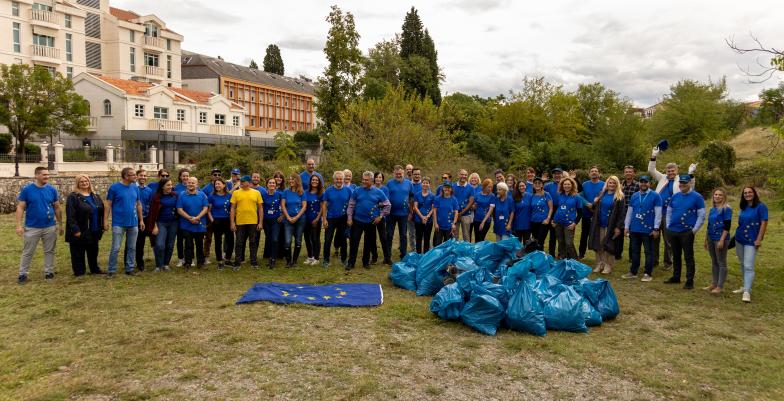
pixel 420 72
pixel 253 64
pixel 412 36
pixel 273 62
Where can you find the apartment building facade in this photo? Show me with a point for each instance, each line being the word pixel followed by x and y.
pixel 272 103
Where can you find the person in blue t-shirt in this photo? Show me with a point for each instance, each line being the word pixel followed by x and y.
pixel 208 189
pixel 591 190
pixel 145 196
pixel 416 185
pixel 503 213
pixel 273 220
pixel 162 173
pixel 123 203
pixel 314 197
pixel 643 216
pixel 179 187
pixel 423 216
pixel 566 217
pixel 685 215
pixel 752 225
pixel 218 215
pixel 381 227
pixel 400 192
pixel 193 206
pixel 293 205
pixel 551 187
pixel 717 239
pixel 446 210
pixel 310 171
pixel 542 211
pixel 464 193
pixel 521 226
pixel 39 203
pixel 366 208
pixel 484 203
pixel 163 223
pixel 333 218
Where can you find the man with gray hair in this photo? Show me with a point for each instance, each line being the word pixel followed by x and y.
pixel 366 207
pixel 666 186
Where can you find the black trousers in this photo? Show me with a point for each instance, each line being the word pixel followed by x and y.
pixel 402 233
pixel 272 229
pixel 180 239
pixel 423 232
pixel 224 239
pixel 193 239
pixel 313 239
pixel 585 231
pixel 246 233
pixel 479 235
pixel 551 243
pixel 539 231
pixel 336 229
pixel 441 236
pixel 358 229
pixel 682 245
pixel 386 247
pixel 523 235
pixel 140 247
pixel 78 253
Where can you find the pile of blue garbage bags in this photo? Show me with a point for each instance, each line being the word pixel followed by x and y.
pixel 488 285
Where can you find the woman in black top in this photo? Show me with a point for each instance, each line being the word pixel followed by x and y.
pixel 84 226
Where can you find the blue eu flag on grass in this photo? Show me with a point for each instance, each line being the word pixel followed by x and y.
pixel 321 295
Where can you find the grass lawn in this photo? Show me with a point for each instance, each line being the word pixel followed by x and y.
pixel 177 336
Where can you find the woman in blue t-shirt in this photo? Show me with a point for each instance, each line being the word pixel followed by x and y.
pixel 484 203
pixel 273 220
pixel 752 224
pixel 313 219
pixel 381 227
pixel 163 222
pixel 541 213
pixel 423 216
pixel 521 226
pixel 218 214
pixel 293 206
pixel 503 213
pixel 566 218
pixel 717 239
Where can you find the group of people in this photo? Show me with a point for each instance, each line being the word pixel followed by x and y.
pixel 234 213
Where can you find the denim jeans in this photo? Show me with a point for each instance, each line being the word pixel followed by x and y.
pixel 637 240
pixel 130 234
pixel 719 262
pixel 296 229
pixel 746 256
pixel 271 236
pixel 164 242
pixel 402 231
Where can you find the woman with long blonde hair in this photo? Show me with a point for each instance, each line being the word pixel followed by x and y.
pixel 84 225
pixel 717 239
pixel 607 225
pixel 293 205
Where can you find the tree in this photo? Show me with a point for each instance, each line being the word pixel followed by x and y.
pixel 420 72
pixel 253 64
pixel 412 37
pixel 273 62
pixel 763 72
pixel 772 105
pixel 34 101
pixel 284 150
pixel 382 68
pixel 341 83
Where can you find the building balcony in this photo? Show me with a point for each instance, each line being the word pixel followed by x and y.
pixel 45 18
pixel 221 129
pixel 154 71
pixel 45 54
pixel 154 42
pixel 165 125
pixel 92 125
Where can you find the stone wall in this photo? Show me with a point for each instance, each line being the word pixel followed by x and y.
pixel 10 188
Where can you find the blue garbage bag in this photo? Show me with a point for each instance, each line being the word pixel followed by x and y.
pixel 497 291
pixel 483 313
pixel 563 311
pixel 509 247
pixel 602 296
pixel 520 270
pixel 570 271
pixel 487 254
pixel 403 275
pixel 546 287
pixel 525 311
pixel 465 263
pixel 431 271
pixel 448 303
pixel 592 316
pixel 467 280
pixel 462 249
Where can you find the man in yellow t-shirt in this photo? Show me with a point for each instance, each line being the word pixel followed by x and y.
pixel 245 220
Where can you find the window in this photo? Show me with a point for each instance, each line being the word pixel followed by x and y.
pixel 69 72
pixel 15 8
pixel 220 119
pixel 160 113
pixel 252 121
pixel 68 47
pixel 17 34
pixel 42 7
pixel 107 107
pixel 151 59
pixel 180 115
pixel 202 117
pixel 151 29
pixel 132 36
pixel 133 60
pixel 231 93
pixel 236 121
pixel 168 44
pixel 68 21
pixel 138 110
pixel 43 40
pixel 168 66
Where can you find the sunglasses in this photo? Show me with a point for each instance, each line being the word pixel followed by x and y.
pixel 164 176
pixel 216 174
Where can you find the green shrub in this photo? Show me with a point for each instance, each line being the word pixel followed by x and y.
pixel 5 143
pixel 708 180
pixel 307 137
pixel 32 149
pixel 719 157
pixel 246 158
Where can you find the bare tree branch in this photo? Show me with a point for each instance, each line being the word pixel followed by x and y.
pixel 767 70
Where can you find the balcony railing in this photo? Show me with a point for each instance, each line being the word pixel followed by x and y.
pixel 93 124
pixel 225 129
pixel 153 41
pixel 165 125
pixel 152 70
pixel 45 51
pixel 44 16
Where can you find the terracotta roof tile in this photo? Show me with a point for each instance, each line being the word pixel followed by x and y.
pixel 124 15
pixel 129 87
pixel 199 97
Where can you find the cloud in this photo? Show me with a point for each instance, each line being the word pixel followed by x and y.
pixel 476 5
pixel 302 43
pixel 186 12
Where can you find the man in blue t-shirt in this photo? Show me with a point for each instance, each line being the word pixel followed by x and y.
pixel 551 187
pixel 447 210
pixel 464 194
pixel 400 192
pixel 643 217
pixel 145 196
pixel 685 216
pixel 39 203
pixel 208 190
pixel 591 190
pixel 333 218
pixel 416 185
pixel 192 206
pixel 123 203
pixel 310 170
pixel 366 207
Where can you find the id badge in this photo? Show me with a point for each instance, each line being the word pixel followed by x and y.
pixel 500 217
pixel 270 212
pixel 639 216
pixel 563 207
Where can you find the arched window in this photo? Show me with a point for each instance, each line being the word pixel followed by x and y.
pixel 107 107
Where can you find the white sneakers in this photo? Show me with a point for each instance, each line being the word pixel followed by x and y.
pixel 629 275
pixel 180 262
pixel 738 291
pixel 311 261
pixel 646 278
pixel 746 296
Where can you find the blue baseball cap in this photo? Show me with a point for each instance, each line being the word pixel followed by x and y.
pixel 447 183
pixel 557 170
pixel 645 178
pixel 685 178
pixel 245 178
pixel 235 171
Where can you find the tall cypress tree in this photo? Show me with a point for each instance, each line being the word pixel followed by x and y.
pixel 273 62
pixel 430 53
pixel 412 36
pixel 420 72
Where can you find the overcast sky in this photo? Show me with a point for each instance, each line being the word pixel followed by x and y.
pixel 485 47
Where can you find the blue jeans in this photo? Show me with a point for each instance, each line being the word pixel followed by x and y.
pixel 272 233
pixel 296 228
pixel 746 256
pixel 164 242
pixel 637 240
pixel 130 234
pixel 402 230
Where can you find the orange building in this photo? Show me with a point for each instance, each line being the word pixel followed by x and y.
pixel 273 103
